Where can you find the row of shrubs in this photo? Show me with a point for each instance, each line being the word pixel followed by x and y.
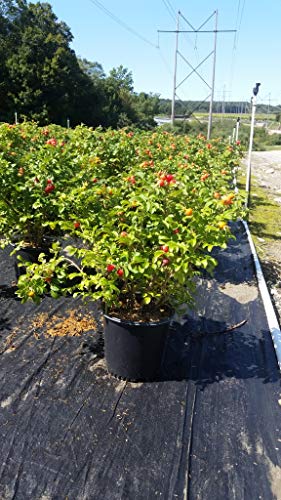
pixel 128 217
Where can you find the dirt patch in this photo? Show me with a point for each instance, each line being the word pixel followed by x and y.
pixel 266 167
pixel 243 292
pixel 74 324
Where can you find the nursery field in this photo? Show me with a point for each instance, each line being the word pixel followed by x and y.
pixel 143 208
pixel 137 225
pixel 210 428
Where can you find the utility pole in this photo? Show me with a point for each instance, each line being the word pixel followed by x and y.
pixel 194 69
pixel 213 78
pixel 223 101
pixel 175 71
pixel 248 179
pixel 268 107
pixel 268 110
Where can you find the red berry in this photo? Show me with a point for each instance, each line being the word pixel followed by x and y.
pixel 165 248
pixel 161 183
pixel 131 179
pixel 165 262
pixel 52 142
pixel 94 180
pixel 169 177
pixel 110 267
pixel 120 272
pixel 49 188
pixel 176 231
pixel 123 234
pixel 76 224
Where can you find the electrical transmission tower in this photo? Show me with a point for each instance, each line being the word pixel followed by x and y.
pixel 211 86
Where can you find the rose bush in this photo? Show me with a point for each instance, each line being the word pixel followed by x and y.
pixel 144 212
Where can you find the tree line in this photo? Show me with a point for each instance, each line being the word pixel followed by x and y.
pixel 187 108
pixel 41 78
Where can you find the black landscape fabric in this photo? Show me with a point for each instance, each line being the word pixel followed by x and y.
pixel 210 429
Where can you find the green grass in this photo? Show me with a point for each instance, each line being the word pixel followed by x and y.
pixel 264 214
pixel 273 148
pixel 243 116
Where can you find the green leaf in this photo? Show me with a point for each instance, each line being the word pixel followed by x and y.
pixel 146 299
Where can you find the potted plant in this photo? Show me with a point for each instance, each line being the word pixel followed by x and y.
pixel 36 167
pixel 150 234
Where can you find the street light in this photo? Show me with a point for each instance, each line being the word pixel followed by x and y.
pixel 256 89
pixel 254 105
pixel 237 129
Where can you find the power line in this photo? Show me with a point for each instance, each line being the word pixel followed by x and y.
pixel 168 67
pixel 241 17
pixel 170 9
pixel 236 25
pixel 131 30
pixel 169 3
pixel 120 22
pixel 240 12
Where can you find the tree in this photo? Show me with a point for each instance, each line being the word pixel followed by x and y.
pixel 119 109
pixel 146 107
pixel 42 79
pixel 46 82
pixel 93 69
pixel 123 78
pixel 8 12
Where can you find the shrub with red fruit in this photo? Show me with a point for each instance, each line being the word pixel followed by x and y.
pixel 32 181
pixel 144 233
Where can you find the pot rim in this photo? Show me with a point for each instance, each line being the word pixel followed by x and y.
pixel 138 323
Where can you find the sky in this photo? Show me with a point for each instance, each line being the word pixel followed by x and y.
pixel 127 32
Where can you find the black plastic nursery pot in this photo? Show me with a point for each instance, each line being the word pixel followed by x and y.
pixel 134 351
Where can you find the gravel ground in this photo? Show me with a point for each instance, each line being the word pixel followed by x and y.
pixel 266 168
